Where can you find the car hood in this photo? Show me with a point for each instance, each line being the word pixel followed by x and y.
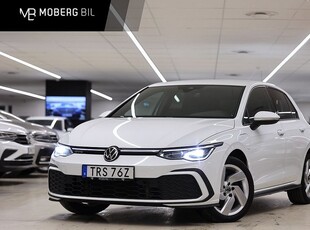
pixel 8 127
pixel 145 132
pixel 30 127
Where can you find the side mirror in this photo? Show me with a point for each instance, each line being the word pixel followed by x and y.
pixel 264 118
pixel 106 113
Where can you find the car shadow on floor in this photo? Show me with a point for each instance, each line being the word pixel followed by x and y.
pixel 10 183
pixel 25 174
pixel 132 215
pixel 160 216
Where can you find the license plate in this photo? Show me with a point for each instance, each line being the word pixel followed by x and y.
pixel 108 172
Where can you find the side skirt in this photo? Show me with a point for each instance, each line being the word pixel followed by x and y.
pixel 271 190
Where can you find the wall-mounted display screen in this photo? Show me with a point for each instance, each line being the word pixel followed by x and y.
pixel 72 107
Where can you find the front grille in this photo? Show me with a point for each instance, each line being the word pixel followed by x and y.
pixel 45 138
pixel 88 151
pixel 22 139
pixel 174 187
pixel 101 151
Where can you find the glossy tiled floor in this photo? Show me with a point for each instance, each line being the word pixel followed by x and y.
pixel 24 205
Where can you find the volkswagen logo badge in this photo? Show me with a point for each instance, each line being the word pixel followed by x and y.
pixel 111 154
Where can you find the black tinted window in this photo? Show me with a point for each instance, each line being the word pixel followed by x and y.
pixel 284 107
pixel 259 100
pixel 205 101
pixel 58 125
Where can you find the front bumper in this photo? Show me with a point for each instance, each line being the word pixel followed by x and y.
pixel 43 153
pixel 14 156
pixel 157 182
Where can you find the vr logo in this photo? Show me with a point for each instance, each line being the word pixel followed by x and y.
pixel 30 13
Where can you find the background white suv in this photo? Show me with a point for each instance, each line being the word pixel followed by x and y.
pixel 60 124
pixel 16 151
pixel 206 144
pixel 43 138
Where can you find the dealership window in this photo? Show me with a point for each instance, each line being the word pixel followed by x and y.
pixel 259 100
pixel 284 107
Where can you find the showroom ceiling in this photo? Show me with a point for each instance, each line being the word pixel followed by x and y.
pixel 186 39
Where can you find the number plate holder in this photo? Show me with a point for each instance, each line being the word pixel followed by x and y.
pixel 108 172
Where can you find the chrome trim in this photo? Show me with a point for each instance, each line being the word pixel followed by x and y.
pixel 89 149
pixel 140 150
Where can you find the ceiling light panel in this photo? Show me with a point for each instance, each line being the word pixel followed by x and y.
pixel 287 58
pixel 101 95
pixel 22 92
pixel 30 65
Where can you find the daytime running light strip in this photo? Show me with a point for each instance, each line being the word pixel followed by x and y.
pixel 287 58
pixel 30 65
pixel 137 44
pixel 22 92
pixel 101 95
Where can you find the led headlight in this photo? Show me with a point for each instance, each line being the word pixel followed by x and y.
pixel 8 136
pixel 191 153
pixel 62 151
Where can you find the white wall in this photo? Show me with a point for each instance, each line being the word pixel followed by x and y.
pixel 33 107
pixel 101 106
pixel 24 107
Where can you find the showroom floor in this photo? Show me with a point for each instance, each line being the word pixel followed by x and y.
pixel 24 205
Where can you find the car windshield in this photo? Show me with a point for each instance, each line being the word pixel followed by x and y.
pixel 192 101
pixel 41 122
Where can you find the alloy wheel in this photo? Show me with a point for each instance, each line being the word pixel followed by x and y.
pixel 307 178
pixel 234 191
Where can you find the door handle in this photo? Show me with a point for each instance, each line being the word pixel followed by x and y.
pixel 280 132
pixel 302 130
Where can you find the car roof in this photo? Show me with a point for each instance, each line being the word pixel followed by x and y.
pixel 212 82
pixel 45 118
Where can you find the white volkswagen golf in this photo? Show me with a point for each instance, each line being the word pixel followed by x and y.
pixel 202 144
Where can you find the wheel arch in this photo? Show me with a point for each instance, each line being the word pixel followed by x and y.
pixel 237 153
pixel 308 152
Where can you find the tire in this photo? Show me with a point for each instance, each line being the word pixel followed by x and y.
pixel 236 194
pixel 301 195
pixel 83 208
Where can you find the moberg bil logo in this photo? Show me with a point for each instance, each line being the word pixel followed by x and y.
pixel 30 13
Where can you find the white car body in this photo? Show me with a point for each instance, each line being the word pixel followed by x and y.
pixel 60 124
pixel 274 154
pixel 15 153
pixel 42 138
